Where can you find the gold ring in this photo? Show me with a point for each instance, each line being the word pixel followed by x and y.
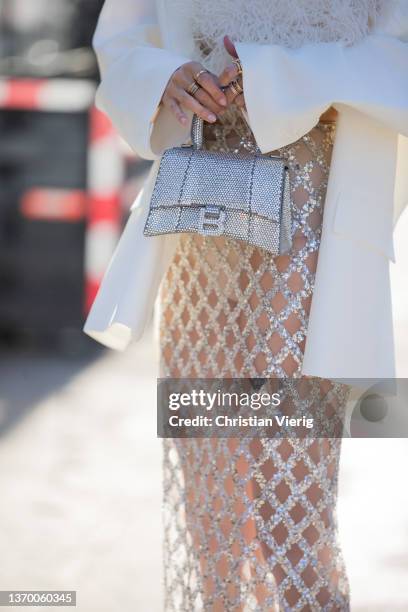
pixel 199 73
pixel 236 88
pixel 238 64
pixel 193 88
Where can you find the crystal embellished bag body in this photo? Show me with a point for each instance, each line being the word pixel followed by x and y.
pixel 243 196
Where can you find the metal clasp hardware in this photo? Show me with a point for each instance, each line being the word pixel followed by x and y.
pixel 211 220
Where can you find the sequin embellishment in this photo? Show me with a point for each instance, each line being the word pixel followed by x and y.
pixel 250 525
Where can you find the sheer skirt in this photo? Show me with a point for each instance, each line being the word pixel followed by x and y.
pixel 251 524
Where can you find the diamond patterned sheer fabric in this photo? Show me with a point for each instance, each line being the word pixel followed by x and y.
pixel 251 524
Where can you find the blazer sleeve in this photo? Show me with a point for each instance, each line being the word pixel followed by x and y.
pixel 135 69
pixel 299 85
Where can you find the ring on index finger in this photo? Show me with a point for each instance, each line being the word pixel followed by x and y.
pixel 199 73
pixel 193 88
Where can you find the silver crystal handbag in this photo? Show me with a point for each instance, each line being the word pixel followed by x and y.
pixel 242 196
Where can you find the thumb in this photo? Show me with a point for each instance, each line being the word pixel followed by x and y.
pixel 230 47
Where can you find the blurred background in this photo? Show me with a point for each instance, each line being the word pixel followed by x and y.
pixel 66 179
pixel 80 465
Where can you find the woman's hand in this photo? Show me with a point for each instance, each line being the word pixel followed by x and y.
pixel 231 78
pixel 207 101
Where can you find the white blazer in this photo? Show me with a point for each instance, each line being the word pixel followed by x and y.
pixel 139 44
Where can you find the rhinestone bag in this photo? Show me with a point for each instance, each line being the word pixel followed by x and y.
pixel 243 196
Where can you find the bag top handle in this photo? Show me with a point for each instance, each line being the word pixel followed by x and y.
pixel 197 132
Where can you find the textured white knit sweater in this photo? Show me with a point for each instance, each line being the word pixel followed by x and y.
pixel 290 23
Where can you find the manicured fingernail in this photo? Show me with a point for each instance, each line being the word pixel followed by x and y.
pixel 212 117
pixel 183 120
pixel 223 101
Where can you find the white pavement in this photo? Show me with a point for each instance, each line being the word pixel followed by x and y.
pixel 80 483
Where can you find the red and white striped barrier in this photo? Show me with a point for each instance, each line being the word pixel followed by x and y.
pixel 58 95
pixel 100 204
